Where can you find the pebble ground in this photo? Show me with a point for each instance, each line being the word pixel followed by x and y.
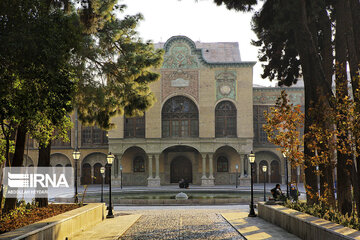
pixel 181 224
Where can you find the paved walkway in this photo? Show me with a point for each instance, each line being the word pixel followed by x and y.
pixel 255 228
pixel 111 228
pixel 200 222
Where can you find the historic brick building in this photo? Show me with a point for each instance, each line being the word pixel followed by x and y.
pixel 206 120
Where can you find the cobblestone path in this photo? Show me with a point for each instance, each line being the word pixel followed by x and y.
pixel 181 224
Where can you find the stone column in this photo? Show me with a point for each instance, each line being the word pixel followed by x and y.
pixel 203 156
pixel 154 182
pixel 150 167
pixel 211 171
pixel 204 179
pixel 157 166
pixel 245 180
pixel 241 166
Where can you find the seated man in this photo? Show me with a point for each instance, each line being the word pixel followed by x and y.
pixel 294 193
pixel 182 183
pixel 277 193
pixel 186 184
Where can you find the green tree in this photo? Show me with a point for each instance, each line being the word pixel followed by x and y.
pixel 36 49
pixel 64 54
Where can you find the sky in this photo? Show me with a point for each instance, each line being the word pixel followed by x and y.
pixel 200 20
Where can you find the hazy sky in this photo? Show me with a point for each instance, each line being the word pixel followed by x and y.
pixel 201 21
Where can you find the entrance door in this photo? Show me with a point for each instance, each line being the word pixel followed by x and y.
pixel 180 168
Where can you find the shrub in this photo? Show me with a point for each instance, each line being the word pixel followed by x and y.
pixel 323 211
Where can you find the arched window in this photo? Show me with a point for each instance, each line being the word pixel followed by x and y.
pixel 134 127
pixel 139 164
pixel 225 119
pixel 180 118
pixel 222 164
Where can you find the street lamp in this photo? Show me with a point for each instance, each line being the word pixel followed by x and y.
pixel 252 160
pixel 76 156
pixel 121 177
pixel 102 171
pixel 264 168
pixel 236 176
pixel 285 154
pixel 110 158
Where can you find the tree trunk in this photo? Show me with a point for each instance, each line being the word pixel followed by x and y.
pixel 44 161
pixel 343 168
pixel 317 87
pixel 17 161
pixel 353 43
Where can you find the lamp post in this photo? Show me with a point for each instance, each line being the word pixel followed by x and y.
pixel 102 171
pixel 236 176
pixel 76 156
pixel 264 168
pixel 252 160
pixel 285 154
pixel 121 177
pixel 110 159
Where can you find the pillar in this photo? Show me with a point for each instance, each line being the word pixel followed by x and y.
pixel 203 156
pixel 116 178
pixel 157 170
pixel 245 179
pixel 204 180
pixel 211 169
pixel 150 167
pixel 241 166
pixel 154 182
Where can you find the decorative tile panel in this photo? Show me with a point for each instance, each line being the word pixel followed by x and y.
pixel 180 56
pixel 179 82
pixel 225 84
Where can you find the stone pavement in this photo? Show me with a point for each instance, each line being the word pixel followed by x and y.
pixel 184 222
pixel 256 228
pixel 200 222
pixel 111 228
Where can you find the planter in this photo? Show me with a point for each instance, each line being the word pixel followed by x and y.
pixel 304 225
pixel 62 226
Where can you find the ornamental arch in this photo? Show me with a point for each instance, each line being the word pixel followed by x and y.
pixel 225 160
pixel 59 160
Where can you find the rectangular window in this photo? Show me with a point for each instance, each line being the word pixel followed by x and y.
pixel 194 128
pixel 184 128
pixel 134 127
pixel 93 136
pixel 260 136
pixel 175 128
pixel 166 128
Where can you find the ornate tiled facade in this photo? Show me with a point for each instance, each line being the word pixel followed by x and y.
pixel 206 120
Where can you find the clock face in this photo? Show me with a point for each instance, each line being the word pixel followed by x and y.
pixel 225 90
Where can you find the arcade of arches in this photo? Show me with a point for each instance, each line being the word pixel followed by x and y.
pixel 186 162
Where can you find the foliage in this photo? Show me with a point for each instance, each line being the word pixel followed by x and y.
pixel 115 73
pixel 28 213
pixel 322 210
pixel 284 122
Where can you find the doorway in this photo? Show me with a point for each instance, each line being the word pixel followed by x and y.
pixel 180 168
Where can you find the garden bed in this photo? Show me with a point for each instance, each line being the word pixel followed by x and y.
pixel 28 214
pixel 304 225
pixel 62 226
